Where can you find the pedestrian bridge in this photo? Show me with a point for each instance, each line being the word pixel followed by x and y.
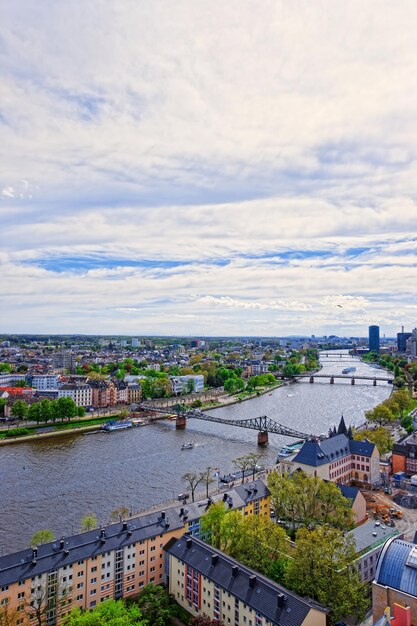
pixel 262 424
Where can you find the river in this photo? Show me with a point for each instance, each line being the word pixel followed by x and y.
pixel 53 483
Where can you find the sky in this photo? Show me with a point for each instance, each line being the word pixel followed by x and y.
pixel 204 167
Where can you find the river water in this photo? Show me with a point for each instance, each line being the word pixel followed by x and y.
pixel 54 483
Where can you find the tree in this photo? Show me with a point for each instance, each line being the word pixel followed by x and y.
pixel 45 410
pixel 34 413
pixel 399 382
pixel 193 480
pixel 322 569
pixel 3 403
pixel 19 409
pixel 110 613
pixel 67 408
pixel 80 411
pixel 47 600
pixel 8 616
pixel 402 398
pixel 381 415
pixel 381 437
pixel 120 513
pixel 210 524
pixel 308 499
pixel 42 536
pixel 88 522
pixel 155 605
pixel 207 479
pixel 245 464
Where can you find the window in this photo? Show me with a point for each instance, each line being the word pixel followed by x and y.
pixel 80 562
pixel 80 597
pixel 80 574
pixel 93 581
pixel 5 588
pixel 93 592
pixel 94 569
pixel 80 585
pixel 20 595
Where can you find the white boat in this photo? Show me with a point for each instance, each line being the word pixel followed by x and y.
pixel 139 421
pixel 112 425
pixel 187 446
pixel 349 370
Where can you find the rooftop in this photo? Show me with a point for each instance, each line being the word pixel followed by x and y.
pixel 371 534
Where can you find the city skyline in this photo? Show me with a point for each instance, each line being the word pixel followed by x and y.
pixel 210 170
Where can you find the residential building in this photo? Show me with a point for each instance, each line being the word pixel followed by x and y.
pixel 135 342
pixel 396 578
pixel 86 569
pixel 357 502
pixel 99 393
pixel 8 379
pixel 251 499
pixel 81 393
pixel 134 392
pixel 64 361
pixel 370 539
pixel 374 338
pixel 205 581
pixel 45 381
pixel 187 384
pixel 404 455
pixel 121 392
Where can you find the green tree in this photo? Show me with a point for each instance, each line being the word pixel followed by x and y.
pixel 34 413
pixel 45 410
pixel 307 499
pixel 120 513
pixel 3 403
pixel 399 382
pixel 80 411
pixel 322 569
pixel 381 415
pixel 20 409
pixel 210 524
pixel 381 437
pixel 246 464
pixel 402 398
pixel 155 605
pixel 88 522
pixel 110 613
pixel 67 408
pixel 41 537
pixel 8 616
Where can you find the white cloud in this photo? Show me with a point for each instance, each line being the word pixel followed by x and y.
pixel 266 151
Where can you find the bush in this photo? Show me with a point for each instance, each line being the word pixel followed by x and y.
pixel 18 432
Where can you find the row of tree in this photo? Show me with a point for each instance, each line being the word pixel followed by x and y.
pixel 47 410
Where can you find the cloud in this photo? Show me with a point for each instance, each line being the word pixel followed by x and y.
pixel 200 167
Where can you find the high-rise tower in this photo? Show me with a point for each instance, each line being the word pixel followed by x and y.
pixel 374 338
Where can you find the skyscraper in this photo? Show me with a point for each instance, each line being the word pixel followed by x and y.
pixel 374 338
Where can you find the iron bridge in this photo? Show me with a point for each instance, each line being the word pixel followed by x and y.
pixel 263 423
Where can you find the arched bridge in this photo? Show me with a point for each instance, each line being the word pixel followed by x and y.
pixel 353 379
pixel 263 424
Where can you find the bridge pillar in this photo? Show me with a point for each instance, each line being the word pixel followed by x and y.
pixel 262 438
pixel 332 380
pixel 352 382
pixel 374 383
pixel 180 422
pixel 311 379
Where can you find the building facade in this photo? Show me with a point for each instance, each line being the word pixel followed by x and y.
pixel 187 384
pixel 43 382
pixel 79 392
pixel 205 581
pixel 404 455
pixel 370 539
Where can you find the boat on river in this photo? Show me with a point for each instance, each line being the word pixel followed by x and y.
pixel 349 370
pixel 112 425
pixel 187 446
pixel 290 449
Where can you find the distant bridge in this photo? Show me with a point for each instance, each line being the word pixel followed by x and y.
pixel 341 355
pixel 352 379
pixel 263 424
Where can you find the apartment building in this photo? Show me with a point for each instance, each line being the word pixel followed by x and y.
pixel 81 393
pixel 404 455
pixel 43 382
pixel 205 581
pixel 85 569
pixel 187 384
pixel 251 499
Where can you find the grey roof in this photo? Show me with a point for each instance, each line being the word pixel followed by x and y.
pixel 371 534
pixel 393 570
pixel 350 493
pixel 365 448
pixel 316 453
pixel 262 596
pixel 19 565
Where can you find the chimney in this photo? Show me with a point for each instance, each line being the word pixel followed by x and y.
pixel 281 600
pixel 103 535
pixel 235 570
pixel 252 581
pixel 214 559
pixel 124 525
pixel 34 555
pixel 66 552
pixel 162 514
pixel 181 512
pixel 225 497
pixel 61 543
pixel 188 542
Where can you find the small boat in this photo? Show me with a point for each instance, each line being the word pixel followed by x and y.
pixel 187 446
pixel 139 421
pixel 112 425
pixel 349 370
pixel 284 452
